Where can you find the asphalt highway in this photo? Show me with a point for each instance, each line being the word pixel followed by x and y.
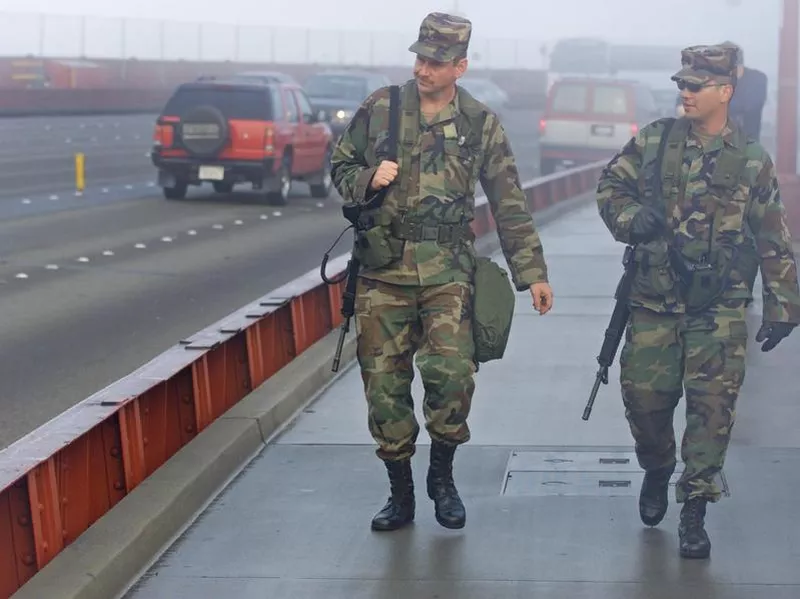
pixel 37 154
pixel 94 286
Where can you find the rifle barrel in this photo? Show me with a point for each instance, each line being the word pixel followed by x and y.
pixel 587 411
pixel 337 358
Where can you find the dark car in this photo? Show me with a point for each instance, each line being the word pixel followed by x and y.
pixel 339 93
pixel 225 133
pixel 264 77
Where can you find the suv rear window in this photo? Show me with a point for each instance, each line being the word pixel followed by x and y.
pixel 610 99
pixel 234 103
pixel 339 87
pixel 570 97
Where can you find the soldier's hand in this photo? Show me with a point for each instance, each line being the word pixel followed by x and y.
pixel 772 333
pixel 647 224
pixel 384 175
pixel 542 297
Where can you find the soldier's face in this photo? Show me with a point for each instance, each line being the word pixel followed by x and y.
pixel 434 77
pixel 701 102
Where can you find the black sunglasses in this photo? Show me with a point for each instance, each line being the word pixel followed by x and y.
pixel 692 87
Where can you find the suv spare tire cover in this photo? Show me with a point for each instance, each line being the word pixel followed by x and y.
pixel 204 131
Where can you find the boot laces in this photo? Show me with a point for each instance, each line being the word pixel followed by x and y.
pixel 400 481
pixel 442 471
pixel 694 513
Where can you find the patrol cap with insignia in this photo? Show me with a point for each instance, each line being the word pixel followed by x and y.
pixel 443 37
pixel 704 64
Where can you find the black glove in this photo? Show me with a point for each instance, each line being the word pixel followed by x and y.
pixel 647 224
pixel 773 332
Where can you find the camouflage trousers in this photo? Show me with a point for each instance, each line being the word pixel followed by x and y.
pixel 662 355
pixel 393 324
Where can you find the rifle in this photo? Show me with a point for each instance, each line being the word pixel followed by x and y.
pixel 348 296
pixel 352 213
pixel 616 327
pixel 622 312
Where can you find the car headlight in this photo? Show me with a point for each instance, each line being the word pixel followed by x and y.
pixel 343 115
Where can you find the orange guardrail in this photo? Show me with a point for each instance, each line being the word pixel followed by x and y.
pixel 65 475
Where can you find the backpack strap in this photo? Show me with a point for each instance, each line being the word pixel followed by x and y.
pixel 392 142
pixel 672 176
pixel 394 123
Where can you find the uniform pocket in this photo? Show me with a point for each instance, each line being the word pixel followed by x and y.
pixel 461 164
pixel 654 278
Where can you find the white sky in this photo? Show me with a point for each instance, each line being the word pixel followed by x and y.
pixel 753 23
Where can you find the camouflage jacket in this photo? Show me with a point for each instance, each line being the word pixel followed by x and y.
pixel 745 213
pixel 439 165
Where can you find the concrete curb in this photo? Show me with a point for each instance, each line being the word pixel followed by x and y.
pixel 107 559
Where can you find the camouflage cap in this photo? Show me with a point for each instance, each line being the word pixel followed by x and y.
pixel 701 64
pixel 739 51
pixel 443 37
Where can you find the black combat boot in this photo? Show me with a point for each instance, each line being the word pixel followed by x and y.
pixel 694 542
pixel 654 496
pixel 399 509
pixel 448 507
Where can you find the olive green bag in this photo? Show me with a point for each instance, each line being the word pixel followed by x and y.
pixel 493 310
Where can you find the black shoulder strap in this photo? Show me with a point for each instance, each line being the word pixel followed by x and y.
pixel 394 122
pixel 392 142
pixel 662 144
pixel 673 157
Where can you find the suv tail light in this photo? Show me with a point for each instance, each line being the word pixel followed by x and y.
pixel 269 140
pixel 634 129
pixel 542 126
pixel 163 136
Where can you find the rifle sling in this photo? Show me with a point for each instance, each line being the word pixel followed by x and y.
pixel 391 142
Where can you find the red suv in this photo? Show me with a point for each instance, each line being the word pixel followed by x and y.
pixel 234 132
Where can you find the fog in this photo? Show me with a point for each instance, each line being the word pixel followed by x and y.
pixel 508 32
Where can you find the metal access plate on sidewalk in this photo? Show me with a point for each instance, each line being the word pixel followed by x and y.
pixel 579 473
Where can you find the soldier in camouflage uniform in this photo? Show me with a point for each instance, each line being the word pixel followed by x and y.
pixel 421 302
pixel 701 232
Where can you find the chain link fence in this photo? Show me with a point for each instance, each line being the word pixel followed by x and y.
pixel 100 37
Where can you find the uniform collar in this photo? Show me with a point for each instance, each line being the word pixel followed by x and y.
pixel 448 113
pixel 731 136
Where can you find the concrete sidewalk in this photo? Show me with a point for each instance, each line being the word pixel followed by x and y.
pixel 551 500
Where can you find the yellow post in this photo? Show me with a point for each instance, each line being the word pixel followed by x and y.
pixel 80 171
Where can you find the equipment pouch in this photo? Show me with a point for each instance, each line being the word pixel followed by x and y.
pixel 375 247
pixel 654 278
pixel 493 310
pixel 708 277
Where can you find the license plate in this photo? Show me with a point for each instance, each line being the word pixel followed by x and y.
pixel 200 131
pixel 604 130
pixel 211 173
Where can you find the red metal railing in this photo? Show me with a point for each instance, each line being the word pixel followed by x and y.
pixel 61 478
